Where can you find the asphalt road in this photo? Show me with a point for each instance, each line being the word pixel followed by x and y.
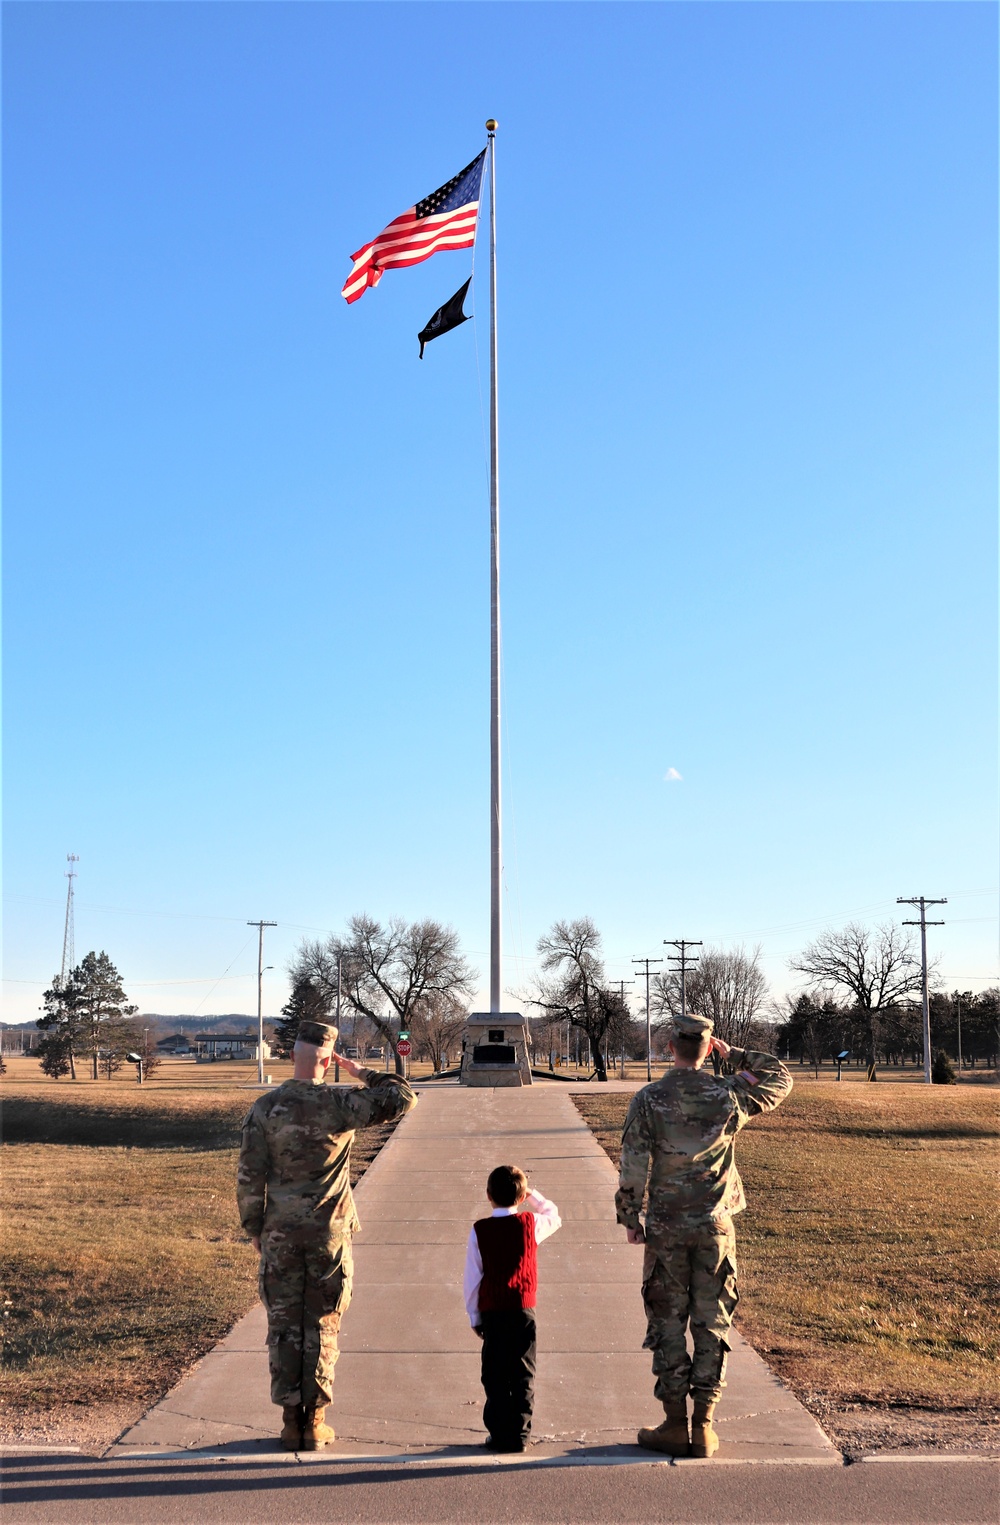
pixel 186 1491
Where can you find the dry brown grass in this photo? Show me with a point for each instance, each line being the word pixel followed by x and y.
pixel 124 1259
pixel 868 1252
pixel 184 1074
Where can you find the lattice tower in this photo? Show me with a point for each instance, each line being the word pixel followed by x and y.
pixel 69 956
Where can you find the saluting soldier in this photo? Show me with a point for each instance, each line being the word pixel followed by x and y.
pixel 295 1201
pixel 680 1136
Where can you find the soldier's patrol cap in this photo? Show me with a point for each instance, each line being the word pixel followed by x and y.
pixel 690 1026
pixel 319 1033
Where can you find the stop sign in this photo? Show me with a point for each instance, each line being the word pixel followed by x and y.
pixel 403 1048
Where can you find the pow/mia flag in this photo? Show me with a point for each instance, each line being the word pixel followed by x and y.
pixel 446 318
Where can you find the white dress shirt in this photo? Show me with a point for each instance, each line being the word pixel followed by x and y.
pixel 547 1220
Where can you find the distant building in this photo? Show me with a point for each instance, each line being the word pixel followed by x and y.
pixel 210 1047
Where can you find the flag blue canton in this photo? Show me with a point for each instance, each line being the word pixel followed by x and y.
pixel 458 192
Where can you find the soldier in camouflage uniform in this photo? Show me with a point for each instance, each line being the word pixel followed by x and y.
pixel 680 1133
pixel 294 1194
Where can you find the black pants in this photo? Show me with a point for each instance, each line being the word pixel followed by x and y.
pixel 509 1373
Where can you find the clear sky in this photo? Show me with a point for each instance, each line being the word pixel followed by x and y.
pixel 748 337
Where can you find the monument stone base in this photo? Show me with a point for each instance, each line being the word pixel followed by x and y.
pixel 495 1050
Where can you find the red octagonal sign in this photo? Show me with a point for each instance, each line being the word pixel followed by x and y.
pixel 403 1048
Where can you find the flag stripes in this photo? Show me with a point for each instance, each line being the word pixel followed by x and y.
pixel 418 233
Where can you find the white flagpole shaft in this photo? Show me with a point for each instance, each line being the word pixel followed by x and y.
pixel 496 862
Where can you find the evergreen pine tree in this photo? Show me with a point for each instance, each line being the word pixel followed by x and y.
pixel 942 1070
pixel 307 1003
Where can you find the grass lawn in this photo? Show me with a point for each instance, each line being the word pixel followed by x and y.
pixel 869 1252
pixel 123 1257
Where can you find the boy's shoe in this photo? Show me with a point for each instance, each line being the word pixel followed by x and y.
pixel 506 1447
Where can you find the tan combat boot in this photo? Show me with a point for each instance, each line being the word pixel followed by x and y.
pixel 670 1437
pixel 291 1427
pixel 704 1441
pixel 315 1434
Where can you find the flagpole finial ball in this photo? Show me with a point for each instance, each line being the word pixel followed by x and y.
pixel 491 125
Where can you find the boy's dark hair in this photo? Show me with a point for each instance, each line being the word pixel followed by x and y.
pixel 690 1046
pixel 507 1185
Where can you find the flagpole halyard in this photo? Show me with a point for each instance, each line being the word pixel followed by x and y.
pixel 496 860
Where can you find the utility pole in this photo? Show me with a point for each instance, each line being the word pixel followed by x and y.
pixel 682 961
pixel 260 925
pixel 621 991
pixel 923 902
pixel 958 1013
pixel 649 1030
pixel 69 956
pixel 336 1067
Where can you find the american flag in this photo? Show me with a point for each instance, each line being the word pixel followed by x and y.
pixel 446 219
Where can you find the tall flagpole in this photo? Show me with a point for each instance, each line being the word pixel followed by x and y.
pixel 495 844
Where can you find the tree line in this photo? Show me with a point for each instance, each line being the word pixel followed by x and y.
pixel 399 976
pixel 817 1027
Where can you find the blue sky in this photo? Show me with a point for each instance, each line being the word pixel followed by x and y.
pixel 748 480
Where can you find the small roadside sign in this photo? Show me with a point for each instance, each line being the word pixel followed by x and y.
pixel 403 1048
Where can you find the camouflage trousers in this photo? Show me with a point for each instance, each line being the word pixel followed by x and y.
pixel 689 1277
pixel 306 1289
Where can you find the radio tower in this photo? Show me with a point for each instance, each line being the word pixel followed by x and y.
pixel 68 957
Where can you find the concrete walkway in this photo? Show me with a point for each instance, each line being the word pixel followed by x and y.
pixel 408 1378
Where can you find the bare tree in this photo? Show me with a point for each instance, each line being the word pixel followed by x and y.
pixel 575 990
pixel 387 971
pixel 437 1023
pixel 547 1032
pixel 623 1029
pixel 727 986
pixel 812 1023
pixel 152 1059
pixel 876 967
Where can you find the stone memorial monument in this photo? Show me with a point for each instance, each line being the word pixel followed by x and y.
pixel 495 1050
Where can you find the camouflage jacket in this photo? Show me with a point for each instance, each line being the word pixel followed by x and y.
pixel 680 1134
pixel 295 1153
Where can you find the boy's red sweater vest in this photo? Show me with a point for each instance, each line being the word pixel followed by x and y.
pixel 510 1262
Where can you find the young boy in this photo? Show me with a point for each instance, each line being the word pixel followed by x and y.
pixel 501 1279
